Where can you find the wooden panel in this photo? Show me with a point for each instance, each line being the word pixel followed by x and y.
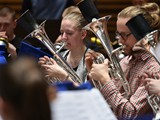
pixel 10 1
pixel 105 7
pixel 15 4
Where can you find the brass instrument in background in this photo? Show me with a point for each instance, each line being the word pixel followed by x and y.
pixel 150 40
pixel 151 43
pixel 38 32
pixel 99 28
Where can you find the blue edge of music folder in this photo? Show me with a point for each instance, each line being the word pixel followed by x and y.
pixel 64 86
pixel 3 54
pixel 27 49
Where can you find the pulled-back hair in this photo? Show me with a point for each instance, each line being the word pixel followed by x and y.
pixel 77 17
pixel 150 11
pixel 70 10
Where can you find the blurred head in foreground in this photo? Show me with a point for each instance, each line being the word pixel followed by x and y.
pixel 23 91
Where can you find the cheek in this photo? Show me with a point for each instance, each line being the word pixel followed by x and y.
pixel 9 29
pixel 77 37
pixel 71 41
pixel 132 41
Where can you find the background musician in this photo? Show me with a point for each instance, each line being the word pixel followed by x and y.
pixel 7 27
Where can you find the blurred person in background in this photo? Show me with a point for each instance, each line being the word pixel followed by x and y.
pixel 46 9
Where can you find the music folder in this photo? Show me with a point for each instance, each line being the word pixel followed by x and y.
pixel 29 50
pixel 81 105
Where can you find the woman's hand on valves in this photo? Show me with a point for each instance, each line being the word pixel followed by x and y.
pixel 99 72
pixel 51 68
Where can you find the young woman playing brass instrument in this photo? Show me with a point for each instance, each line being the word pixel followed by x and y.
pixel 73 35
pixel 134 65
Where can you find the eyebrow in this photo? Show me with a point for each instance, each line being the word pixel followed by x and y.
pixel 123 32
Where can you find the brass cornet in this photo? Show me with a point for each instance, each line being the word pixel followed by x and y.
pixel 98 58
pixel 99 28
pixel 58 46
pixel 40 34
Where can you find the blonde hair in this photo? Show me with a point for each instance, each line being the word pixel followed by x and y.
pixel 70 10
pixel 150 11
pixel 77 17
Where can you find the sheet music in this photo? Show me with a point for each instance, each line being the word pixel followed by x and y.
pixel 81 105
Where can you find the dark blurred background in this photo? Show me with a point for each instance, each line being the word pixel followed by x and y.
pixel 105 7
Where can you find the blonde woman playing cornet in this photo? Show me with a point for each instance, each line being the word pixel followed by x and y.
pixel 73 35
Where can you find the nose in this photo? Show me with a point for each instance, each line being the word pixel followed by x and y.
pixel 64 37
pixel 121 40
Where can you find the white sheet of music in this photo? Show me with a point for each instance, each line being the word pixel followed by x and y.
pixel 81 105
